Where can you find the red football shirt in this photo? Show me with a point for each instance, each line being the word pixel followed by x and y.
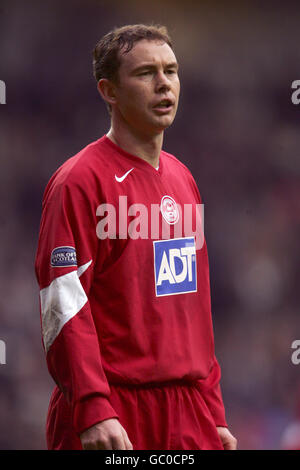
pixel 124 278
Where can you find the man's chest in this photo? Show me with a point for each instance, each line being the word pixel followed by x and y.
pixel 144 206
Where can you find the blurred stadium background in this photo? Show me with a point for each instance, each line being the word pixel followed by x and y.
pixel 238 132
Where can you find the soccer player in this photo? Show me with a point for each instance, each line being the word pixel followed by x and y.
pixel 124 279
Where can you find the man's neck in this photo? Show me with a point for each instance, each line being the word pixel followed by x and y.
pixel 146 147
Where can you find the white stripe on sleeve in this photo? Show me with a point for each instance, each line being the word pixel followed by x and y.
pixel 60 302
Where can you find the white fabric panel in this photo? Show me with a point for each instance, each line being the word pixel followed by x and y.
pixel 83 268
pixel 60 302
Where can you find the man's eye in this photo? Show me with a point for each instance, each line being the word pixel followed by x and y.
pixel 171 72
pixel 147 72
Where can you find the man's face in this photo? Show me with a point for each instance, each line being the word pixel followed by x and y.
pixel 148 88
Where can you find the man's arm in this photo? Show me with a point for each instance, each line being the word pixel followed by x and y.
pixel 211 392
pixel 210 387
pixel 65 260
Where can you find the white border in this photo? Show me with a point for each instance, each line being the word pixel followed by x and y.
pixel 174 293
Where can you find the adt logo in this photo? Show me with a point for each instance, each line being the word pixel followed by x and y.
pixel 175 266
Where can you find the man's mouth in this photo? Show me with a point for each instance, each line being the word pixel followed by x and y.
pixel 164 105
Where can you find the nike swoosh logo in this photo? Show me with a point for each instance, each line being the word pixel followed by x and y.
pixel 121 178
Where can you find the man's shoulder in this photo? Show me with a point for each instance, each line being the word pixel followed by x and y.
pixel 80 171
pixel 84 163
pixel 178 170
pixel 176 165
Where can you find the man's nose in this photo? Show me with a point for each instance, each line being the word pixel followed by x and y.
pixel 162 83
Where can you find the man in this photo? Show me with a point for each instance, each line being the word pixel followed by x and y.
pixel 125 298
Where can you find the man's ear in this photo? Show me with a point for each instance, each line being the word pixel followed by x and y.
pixel 106 89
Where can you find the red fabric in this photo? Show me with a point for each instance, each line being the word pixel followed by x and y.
pixel 166 417
pixel 124 334
pixel 211 392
